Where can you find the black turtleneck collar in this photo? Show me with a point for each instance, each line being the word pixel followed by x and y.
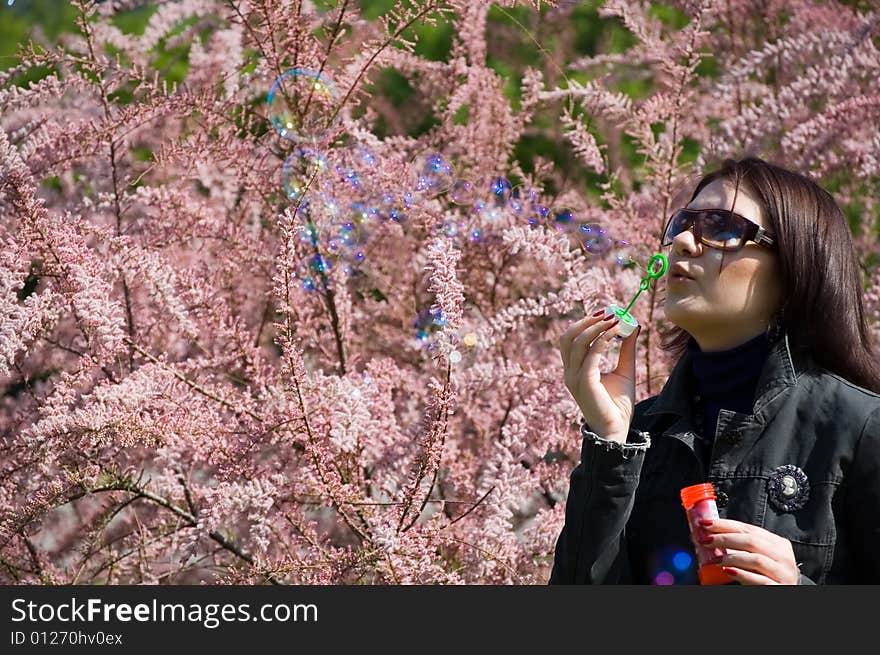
pixel 727 379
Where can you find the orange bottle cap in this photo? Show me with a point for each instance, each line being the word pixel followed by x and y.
pixel 690 496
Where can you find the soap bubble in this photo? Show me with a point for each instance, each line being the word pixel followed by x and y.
pixel 388 206
pixel 623 253
pixel 500 190
pixel 364 212
pixel 357 163
pixel 493 196
pixel 302 171
pixel 538 214
pixel 594 239
pixel 563 219
pixel 303 105
pixel 431 174
pixel 462 192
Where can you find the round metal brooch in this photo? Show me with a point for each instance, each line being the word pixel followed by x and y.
pixel 788 488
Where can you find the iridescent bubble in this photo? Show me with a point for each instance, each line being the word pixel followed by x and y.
pixel 302 171
pixel 563 219
pixel 537 214
pixel 388 206
pixel 475 235
pixel 488 210
pixel 454 357
pixel 500 190
pixel 432 174
pixel 462 192
pixel 623 254
pixel 594 239
pixel 303 105
pixel 357 163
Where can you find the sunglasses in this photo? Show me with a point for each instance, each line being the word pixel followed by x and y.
pixel 716 228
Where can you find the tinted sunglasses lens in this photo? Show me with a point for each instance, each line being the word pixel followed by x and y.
pixel 722 230
pixel 678 223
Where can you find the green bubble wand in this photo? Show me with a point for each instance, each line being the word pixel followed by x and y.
pixel 628 322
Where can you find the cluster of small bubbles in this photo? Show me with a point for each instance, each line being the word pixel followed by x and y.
pixel 428 321
pixel 303 105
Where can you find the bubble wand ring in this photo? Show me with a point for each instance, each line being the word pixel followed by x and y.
pixel 628 322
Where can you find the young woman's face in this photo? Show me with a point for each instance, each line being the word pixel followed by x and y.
pixel 722 307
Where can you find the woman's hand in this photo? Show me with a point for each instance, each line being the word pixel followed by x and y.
pixel 606 399
pixel 754 555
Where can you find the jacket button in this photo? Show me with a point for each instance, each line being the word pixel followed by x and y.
pixel 721 499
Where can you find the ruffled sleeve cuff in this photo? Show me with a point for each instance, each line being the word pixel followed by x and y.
pixel 636 440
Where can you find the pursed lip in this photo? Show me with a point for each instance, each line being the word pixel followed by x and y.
pixel 679 270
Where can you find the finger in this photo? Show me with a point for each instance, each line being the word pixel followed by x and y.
pixel 754 562
pixel 747 577
pixel 738 540
pixel 582 340
pixel 565 341
pixel 727 525
pixel 590 349
pixel 626 363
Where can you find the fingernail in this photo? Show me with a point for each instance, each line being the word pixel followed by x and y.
pixel 705 522
pixel 608 318
pixel 599 312
pixel 729 571
pixel 707 540
pixel 716 560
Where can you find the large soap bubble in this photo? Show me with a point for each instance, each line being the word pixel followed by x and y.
pixel 431 174
pixel 303 105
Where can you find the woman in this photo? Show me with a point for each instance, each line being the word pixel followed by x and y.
pixel 775 399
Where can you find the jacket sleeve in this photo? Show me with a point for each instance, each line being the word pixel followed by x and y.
pixel 591 549
pixel 862 502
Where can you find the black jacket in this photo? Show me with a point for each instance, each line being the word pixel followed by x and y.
pixel 804 465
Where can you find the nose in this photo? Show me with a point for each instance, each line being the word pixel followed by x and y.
pixel 686 242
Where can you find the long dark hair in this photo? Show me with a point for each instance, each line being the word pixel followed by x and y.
pixel 822 308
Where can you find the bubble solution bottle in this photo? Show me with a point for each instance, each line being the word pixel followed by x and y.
pixel 699 503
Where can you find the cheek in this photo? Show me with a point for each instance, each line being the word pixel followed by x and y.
pixel 744 281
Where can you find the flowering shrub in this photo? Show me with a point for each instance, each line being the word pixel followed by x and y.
pixel 261 323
